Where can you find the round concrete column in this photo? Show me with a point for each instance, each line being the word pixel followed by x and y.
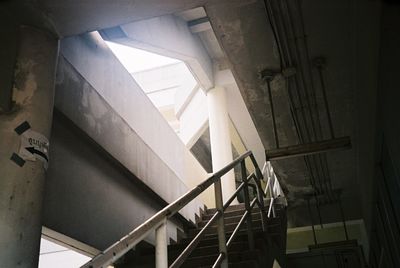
pixel 21 186
pixel 221 150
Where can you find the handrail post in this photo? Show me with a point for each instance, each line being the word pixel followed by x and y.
pixel 161 246
pixel 260 193
pixel 219 204
pixel 271 188
pixel 247 205
pixel 261 203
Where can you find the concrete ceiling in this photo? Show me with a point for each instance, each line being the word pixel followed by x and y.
pixel 336 29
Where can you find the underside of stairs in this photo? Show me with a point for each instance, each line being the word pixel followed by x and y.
pixel 270 244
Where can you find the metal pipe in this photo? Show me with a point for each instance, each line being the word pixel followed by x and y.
pixel 284 29
pixel 161 246
pixel 220 224
pixel 260 192
pixel 271 203
pixel 241 221
pixel 308 68
pixel 250 236
pixel 220 259
pixel 323 163
pixel 234 233
pixel 188 250
pixel 118 249
pixel 271 189
pixel 272 113
pixel 294 115
pixel 343 219
pixel 308 100
pixel 319 211
pixel 312 222
pixel 230 200
pixel 300 135
pixel 323 89
pixel 272 22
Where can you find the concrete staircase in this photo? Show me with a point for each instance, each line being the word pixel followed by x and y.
pixel 269 244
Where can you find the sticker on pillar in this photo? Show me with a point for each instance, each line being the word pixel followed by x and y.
pixel 34 146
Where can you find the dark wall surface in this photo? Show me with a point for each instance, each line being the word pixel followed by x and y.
pixel 385 235
pixel 89 197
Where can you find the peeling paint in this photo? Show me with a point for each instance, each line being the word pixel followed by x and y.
pixel 25 83
pixel 97 105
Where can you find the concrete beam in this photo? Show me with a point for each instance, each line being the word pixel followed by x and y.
pixel 309 148
pixel 169 36
pixel 199 25
pixel 90 56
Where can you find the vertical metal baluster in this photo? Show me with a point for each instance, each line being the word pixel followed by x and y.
pixel 260 193
pixel 343 220
pixel 161 246
pixel 247 205
pixel 271 187
pixel 312 221
pixel 221 225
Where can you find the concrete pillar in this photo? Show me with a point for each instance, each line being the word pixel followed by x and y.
pixel 21 187
pixel 221 150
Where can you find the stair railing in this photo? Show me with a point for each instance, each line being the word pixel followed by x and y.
pixel 273 189
pixel 158 222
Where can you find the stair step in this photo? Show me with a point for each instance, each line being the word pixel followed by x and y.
pixel 213 249
pixel 228 228
pixel 228 213
pixel 207 251
pixel 229 218
pixel 235 213
pixel 235 219
pixel 209 240
pixel 233 257
pixel 249 264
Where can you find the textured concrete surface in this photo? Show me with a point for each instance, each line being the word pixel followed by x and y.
pixel 342 31
pixel 81 103
pixel 247 40
pixel 88 197
pixel 22 186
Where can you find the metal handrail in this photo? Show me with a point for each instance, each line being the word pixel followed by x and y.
pixel 118 249
pixel 192 245
pixel 240 223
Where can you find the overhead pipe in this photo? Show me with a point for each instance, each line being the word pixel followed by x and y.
pixel 301 137
pixel 316 124
pixel 311 118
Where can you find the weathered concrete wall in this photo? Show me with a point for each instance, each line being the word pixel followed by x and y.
pixel 194 119
pixel 91 57
pixel 89 197
pixel 81 103
pixel 8 53
pixel 170 36
pixel 22 180
pixel 108 14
